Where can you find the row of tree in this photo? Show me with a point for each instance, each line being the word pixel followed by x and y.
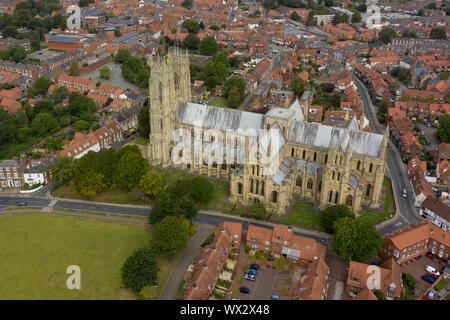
pixel 134 68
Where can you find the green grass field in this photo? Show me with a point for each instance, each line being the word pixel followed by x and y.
pixel 219 102
pixel 14 149
pixel 302 214
pixel 141 141
pixel 37 248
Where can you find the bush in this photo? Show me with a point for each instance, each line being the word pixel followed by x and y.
pixel 258 211
pixel 380 295
pixel 140 270
pixel 208 240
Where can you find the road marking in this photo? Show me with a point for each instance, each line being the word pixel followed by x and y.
pixel 398 224
pixel 50 206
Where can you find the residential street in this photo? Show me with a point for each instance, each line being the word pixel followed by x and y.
pixel 176 275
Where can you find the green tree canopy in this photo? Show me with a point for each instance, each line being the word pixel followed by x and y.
pixel 74 69
pixel 438 34
pixel 234 91
pixel 62 170
pixel 332 214
pixel 41 84
pixel 356 238
pixel 443 132
pixel 170 235
pixel 144 122
pixel 298 85
pixel 152 182
pixel 131 168
pixel 258 211
pixel 60 93
pixel 122 55
pixel 140 270
pixel 208 46
pixel 191 42
pixel 44 123
pixel 191 25
pixel 386 34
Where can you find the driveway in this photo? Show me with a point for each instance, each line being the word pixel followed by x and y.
pixel 177 274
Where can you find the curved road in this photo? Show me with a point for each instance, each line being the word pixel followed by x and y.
pixel 396 170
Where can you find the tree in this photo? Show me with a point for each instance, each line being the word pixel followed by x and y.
pixel 356 238
pixel 74 69
pixel 298 86
pixel 140 270
pixel 148 293
pixel 356 17
pixel 152 182
pixel 60 93
pixel 258 211
pixel 211 82
pixel 62 170
pixel 188 4
pixel 144 122
pixel 122 55
pixel 191 42
pixel 170 235
pixel 220 70
pixel 82 126
pixel 104 73
pixel 386 35
pixel 191 26
pixel 234 89
pixel 41 85
pixel 438 34
pixel 270 4
pixel 279 263
pixel 443 132
pixel 87 180
pixel 295 16
pixel 340 18
pixel 81 106
pixel 202 190
pixel 44 123
pixel 208 46
pixel 131 168
pixel 332 214
pixel 43 106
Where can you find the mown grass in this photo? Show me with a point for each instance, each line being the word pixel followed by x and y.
pixel 219 102
pixel 387 207
pixel 302 214
pixel 37 248
pixel 141 141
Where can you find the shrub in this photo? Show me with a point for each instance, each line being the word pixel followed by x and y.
pixel 140 270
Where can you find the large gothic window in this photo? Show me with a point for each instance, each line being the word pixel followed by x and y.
pixel 251 185
pixel 262 188
pixel 274 197
pixel 176 80
pixel 358 165
pixel 368 190
pixel 239 188
pixel 160 93
pixel 309 184
pixel 330 198
pixel 336 197
pixel 370 168
pixel 349 201
pixel 298 183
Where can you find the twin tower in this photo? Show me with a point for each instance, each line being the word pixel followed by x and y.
pixel 169 82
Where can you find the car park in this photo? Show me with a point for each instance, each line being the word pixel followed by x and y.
pixel 244 290
pixel 427 279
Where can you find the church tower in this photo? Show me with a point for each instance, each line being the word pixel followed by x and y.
pixel 169 82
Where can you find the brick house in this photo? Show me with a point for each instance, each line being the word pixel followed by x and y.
pixel 390 282
pixel 415 240
pixel 11 173
pixel 210 263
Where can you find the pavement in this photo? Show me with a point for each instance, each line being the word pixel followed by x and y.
pixel 177 274
pixel 406 214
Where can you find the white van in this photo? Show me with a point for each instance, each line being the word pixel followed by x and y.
pixel 432 270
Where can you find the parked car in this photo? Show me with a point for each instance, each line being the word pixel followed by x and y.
pixel 427 279
pixel 249 276
pixel 271 258
pixel 432 276
pixel 127 136
pixel 404 193
pixel 275 297
pixel 120 139
pixel 429 255
pixel 252 271
pixel 254 266
pixel 244 290
pixel 431 294
pixel 432 270
pixel 21 204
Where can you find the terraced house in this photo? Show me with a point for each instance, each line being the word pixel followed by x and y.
pixel 274 158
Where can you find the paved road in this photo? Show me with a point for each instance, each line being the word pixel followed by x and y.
pixel 396 171
pixel 177 274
